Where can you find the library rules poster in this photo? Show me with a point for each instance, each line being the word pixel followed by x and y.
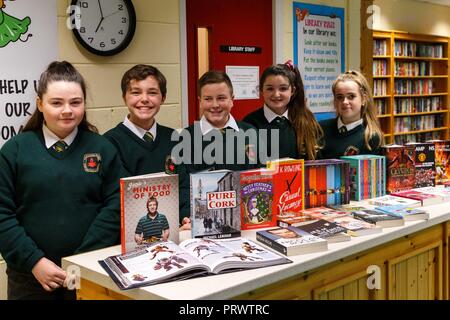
pixel 319 51
pixel 28 43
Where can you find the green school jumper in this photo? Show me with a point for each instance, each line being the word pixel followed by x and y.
pixel 142 157
pixel 288 138
pixel 349 143
pixel 57 204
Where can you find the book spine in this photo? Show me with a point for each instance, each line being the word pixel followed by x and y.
pixel 307 192
pixel 122 216
pixel 270 243
pixel 366 171
pixel 322 185
pixel 337 184
pixel 330 185
pixel 312 186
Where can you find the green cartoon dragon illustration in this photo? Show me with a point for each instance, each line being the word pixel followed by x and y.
pixel 11 28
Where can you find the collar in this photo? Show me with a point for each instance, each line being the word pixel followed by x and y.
pixel 138 130
pixel 270 115
pixel 349 126
pixel 206 127
pixel 50 138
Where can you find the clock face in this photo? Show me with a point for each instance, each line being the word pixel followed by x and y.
pixel 103 27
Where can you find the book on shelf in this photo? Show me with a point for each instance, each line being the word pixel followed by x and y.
pixel 444 193
pixel 215 204
pixel 356 227
pixel 400 167
pixel 442 160
pixel 390 200
pixel 166 261
pixel 407 213
pixel 148 210
pixel 257 205
pixel 291 240
pixel 379 218
pixel 424 164
pixel 288 185
pixel 426 199
pixel 330 231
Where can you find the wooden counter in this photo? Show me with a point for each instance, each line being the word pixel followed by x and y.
pixel 412 260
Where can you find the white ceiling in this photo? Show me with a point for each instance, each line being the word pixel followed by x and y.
pixel 439 2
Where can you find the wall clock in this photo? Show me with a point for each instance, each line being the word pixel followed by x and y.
pixel 103 27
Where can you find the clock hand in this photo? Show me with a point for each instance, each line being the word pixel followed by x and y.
pixel 99 24
pixel 109 15
pixel 100 6
pixel 101 14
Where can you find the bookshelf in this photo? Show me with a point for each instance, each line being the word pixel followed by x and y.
pixel 410 80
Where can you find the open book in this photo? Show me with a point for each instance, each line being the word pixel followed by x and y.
pixel 167 261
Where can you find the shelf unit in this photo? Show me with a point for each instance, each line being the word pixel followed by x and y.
pixel 410 80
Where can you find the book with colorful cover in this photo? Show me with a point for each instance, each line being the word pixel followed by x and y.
pixel 288 185
pixel 424 162
pixel 350 207
pixel 294 220
pixel 379 218
pixel 166 261
pixel 291 241
pixel 323 213
pixel 407 213
pixel 390 200
pixel 215 204
pixel 257 205
pixel 356 227
pixel 425 199
pixel 400 167
pixel 444 193
pixel 149 210
pixel 330 231
pixel 442 160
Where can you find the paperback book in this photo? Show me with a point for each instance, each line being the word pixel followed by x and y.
pixel 424 163
pixel 291 240
pixel 324 213
pixel 215 204
pixel 444 193
pixel 166 261
pixel 425 199
pixel 355 227
pixel 391 200
pixel 407 213
pixel 379 218
pixel 149 210
pixel 442 160
pixel 400 167
pixel 330 231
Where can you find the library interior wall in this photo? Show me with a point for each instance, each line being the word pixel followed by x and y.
pixel 413 16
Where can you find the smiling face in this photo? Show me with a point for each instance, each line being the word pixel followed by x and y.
pixel 63 107
pixel 348 101
pixel 216 102
pixel 277 93
pixel 143 99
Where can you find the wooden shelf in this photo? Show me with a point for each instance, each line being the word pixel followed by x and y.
pixel 420 95
pixel 419 131
pixel 382 77
pixel 420 58
pixel 380 97
pixel 421 77
pixel 381 57
pixel 384 115
pixel 419 113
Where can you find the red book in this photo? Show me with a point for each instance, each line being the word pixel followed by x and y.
pixel 425 198
pixel 442 159
pixel 288 185
pixel 400 167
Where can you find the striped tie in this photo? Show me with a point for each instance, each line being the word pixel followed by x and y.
pixel 60 146
pixel 148 137
pixel 343 129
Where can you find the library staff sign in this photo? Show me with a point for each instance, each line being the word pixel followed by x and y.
pixel 319 51
pixel 28 43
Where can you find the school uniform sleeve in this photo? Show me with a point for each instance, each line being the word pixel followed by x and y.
pixel 105 229
pixel 17 248
pixel 375 145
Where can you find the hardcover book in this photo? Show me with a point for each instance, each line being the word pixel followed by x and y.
pixel 425 199
pixel 400 167
pixel 391 200
pixel 442 160
pixel 257 202
pixel 149 210
pixel 215 204
pixel 424 162
pixel 407 213
pixel 291 240
pixel 379 218
pixel 167 261
pixel 330 231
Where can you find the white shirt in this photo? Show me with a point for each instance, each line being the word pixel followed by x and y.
pixel 270 115
pixel 349 126
pixel 50 138
pixel 206 127
pixel 138 130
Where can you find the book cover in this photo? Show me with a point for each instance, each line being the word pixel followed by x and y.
pixel 442 158
pixel 149 210
pixel 444 193
pixel 347 207
pixel 425 199
pixel 356 227
pixel 330 231
pixel 407 213
pixel 294 221
pixel 215 204
pixel 379 218
pixel 424 164
pixel 391 200
pixel 288 185
pixel 166 261
pixel 400 167
pixel 257 202
pixel 291 240
pixel 324 213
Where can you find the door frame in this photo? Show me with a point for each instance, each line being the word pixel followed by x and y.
pixel 277 41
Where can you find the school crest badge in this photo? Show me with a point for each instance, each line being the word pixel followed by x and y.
pixel 250 152
pixel 91 162
pixel 351 151
pixel 169 165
